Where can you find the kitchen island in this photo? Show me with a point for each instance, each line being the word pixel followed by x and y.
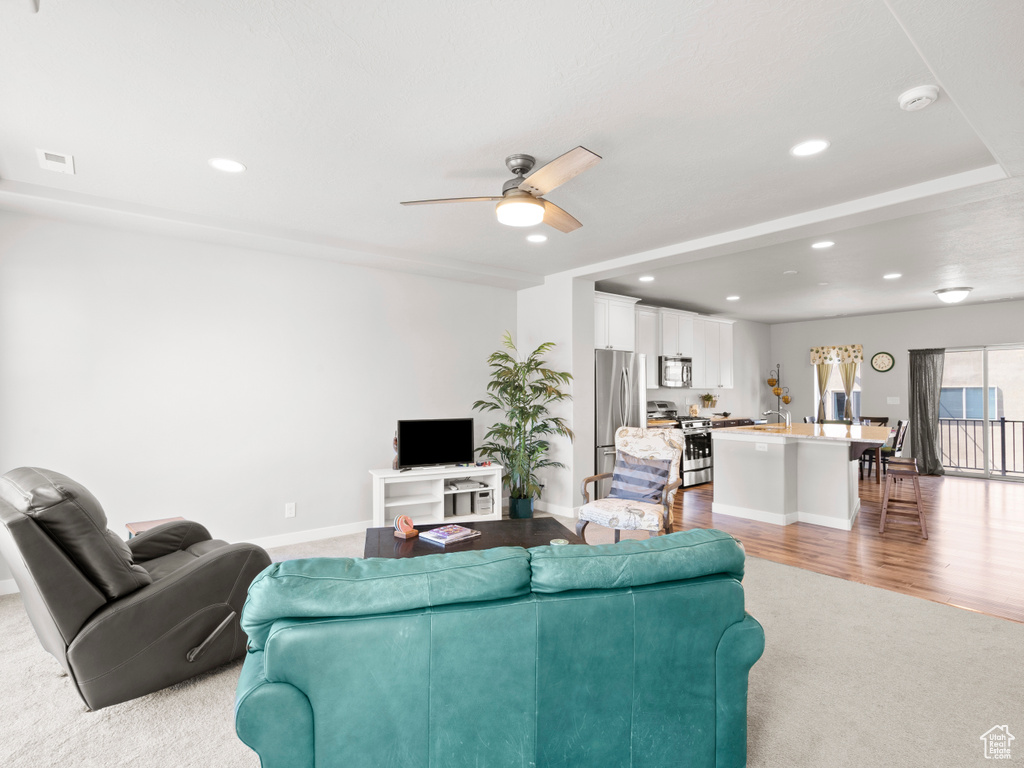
pixel 801 473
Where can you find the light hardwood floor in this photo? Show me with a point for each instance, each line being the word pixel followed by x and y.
pixel 973 558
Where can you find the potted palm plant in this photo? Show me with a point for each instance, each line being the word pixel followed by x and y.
pixel 521 389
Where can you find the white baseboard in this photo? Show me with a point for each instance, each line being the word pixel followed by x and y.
pixel 313 534
pixel 830 522
pixel 8 587
pixel 555 509
pixel 779 518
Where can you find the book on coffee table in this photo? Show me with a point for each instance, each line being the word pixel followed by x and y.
pixel 448 534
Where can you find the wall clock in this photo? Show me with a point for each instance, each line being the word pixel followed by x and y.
pixel 882 362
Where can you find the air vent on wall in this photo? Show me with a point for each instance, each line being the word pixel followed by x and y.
pixel 55 161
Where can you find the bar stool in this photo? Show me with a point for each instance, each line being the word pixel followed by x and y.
pixel 899 468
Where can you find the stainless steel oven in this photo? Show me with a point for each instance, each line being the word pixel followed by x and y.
pixel 698 461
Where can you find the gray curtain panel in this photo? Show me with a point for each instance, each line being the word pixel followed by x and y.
pixel 925 388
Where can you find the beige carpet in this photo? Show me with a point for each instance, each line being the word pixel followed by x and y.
pixel 852 676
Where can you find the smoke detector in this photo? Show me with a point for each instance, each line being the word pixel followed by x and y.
pixel 55 161
pixel 918 98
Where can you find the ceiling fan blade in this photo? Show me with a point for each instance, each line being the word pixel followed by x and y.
pixel 558 171
pixel 452 200
pixel 559 219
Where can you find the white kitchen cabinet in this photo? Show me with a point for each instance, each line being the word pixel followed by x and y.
pixel 647 341
pixel 725 359
pixel 700 369
pixel 614 322
pixel 676 332
pixel 712 354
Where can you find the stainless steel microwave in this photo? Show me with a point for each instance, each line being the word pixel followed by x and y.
pixel 674 371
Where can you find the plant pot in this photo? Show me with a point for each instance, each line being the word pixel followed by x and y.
pixel 519 509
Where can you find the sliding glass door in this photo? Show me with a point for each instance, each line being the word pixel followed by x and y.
pixel 1006 411
pixel 981 412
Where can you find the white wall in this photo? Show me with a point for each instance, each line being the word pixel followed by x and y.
pixel 562 311
pixel 952 326
pixel 179 378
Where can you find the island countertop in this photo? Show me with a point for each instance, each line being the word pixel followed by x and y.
pixel 782 433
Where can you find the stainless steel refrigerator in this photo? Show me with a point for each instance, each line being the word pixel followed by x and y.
pixel 621 401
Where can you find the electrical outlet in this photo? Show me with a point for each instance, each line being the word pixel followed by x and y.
pixel 289 509
pixel 761 447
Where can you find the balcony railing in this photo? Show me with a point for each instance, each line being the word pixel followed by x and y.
pixel 962 442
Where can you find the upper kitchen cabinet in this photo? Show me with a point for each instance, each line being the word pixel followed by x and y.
pixel 614 322
pixel 676 332
pixel 712 354
pixel 647 341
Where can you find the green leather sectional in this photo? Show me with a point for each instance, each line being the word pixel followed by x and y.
pixel 630 654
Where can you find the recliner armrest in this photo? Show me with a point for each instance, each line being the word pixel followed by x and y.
pixel 166 538
pixel 140 643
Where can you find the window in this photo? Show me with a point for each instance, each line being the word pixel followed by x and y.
pixel 835 395
pixel 967 403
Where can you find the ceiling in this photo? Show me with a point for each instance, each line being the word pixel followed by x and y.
pixel 341 110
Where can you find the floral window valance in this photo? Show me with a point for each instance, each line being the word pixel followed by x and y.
pixel 846 353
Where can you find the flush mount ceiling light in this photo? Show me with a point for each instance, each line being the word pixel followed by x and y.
pixel 810 147
pixel 790 272
pixel 732 298
pixel 646 278
pixel 537 238
pixel 953 295
pixel 228 166
pixel 822 244
pixel 892 276
pixel 520 209
pixel 918 98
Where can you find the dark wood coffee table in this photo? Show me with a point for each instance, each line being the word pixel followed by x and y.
pixel 530 532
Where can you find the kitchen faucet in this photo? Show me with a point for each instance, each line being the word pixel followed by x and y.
pixel 780 414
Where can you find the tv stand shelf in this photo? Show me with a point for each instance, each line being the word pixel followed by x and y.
pixel 422 494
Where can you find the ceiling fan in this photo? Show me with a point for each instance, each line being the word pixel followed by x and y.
pixel 522 202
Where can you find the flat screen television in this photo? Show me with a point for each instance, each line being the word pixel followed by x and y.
pixel 429 442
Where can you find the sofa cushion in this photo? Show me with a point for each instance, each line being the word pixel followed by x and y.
pixel 677 556
pixel 339 586
pixel 75 521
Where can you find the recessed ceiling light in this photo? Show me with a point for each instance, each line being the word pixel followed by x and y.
pixel 953 295
pixel 811 147
pixel 822 244
pixel 228 166
pixel 822 283
pixel 790 272
pixel 732 298
pixel 537 238
pixel 892 276
pixel 646 278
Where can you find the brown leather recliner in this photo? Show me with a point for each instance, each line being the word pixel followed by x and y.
pixel 123 619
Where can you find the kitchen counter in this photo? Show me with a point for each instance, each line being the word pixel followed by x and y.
pixel 783 475
pixel 835 432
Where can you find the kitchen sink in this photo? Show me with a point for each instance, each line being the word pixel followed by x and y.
pixel 771 427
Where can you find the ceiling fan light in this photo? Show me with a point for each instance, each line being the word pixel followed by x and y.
pixel 953 295
pixel 523 211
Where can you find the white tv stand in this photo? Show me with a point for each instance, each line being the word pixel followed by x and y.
pixel 420 493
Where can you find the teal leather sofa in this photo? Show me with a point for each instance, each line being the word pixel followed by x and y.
pixel 630 654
